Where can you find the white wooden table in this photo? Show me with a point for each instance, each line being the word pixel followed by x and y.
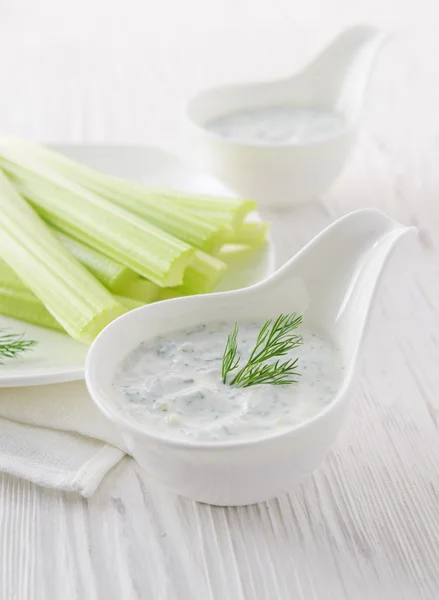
pixel 366 524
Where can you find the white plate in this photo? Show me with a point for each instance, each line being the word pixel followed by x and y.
pixel 57 358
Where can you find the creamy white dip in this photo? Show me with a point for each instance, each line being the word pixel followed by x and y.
pixel 172 385
pixel 278 125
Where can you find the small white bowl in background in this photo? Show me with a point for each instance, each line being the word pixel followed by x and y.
pixel 283 175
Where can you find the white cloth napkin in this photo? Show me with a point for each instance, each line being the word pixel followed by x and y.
pixel 54 436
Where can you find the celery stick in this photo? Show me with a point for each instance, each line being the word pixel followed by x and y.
pixel 19 302
pixel 203 274
pixel 70 293
pixel 230 220
pixel 9 279
pixel 249 233
pixel 169 293
pixel 109 272
pixel 25 306
pixel 116 277
pixel 97 222
pixel 206 234
pixel 224 210
pixel 227 211
pixel 231 253
pixel 129 303
pixel 137 293
pixel 142 290
pixel 201 277
pixel 152 205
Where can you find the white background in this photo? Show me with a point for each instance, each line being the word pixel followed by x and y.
pixel 121 70
pixel 366 525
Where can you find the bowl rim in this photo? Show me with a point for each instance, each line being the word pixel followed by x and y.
pixel 350 129
pixel 124 422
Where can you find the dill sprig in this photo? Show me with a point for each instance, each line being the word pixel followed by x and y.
pixel 230 362
pixel 276 374
pixel 13 344
pixel 274 340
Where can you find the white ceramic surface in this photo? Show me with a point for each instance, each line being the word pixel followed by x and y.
pixel 331 281
pixel 57 358
pixel 281 175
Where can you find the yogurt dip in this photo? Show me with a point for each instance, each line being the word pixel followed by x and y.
pixel 172 385
pixel 278 125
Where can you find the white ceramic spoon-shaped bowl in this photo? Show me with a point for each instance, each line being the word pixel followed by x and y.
pixel 281 175
pixel 331 281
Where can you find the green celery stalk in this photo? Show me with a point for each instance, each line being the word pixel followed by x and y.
pixel 17 300
pixel 231 253
pixel 201 277
pixel 9 279
pixel 98 223
pixel 155 206
pixel 81 305
pixel 230 212
pixel 203 274
pixel 25 306
pixel 129 303
pixel 134 288
pixel 113 275
pixel 169 293
pixel 141 290
pixel 144 292
pixel 231 219
pixel 249 233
